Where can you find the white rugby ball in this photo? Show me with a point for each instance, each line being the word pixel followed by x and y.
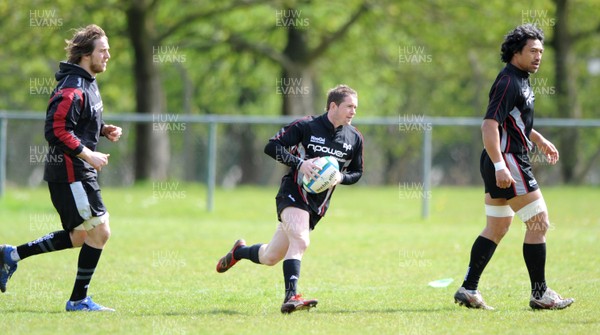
pixel 326 176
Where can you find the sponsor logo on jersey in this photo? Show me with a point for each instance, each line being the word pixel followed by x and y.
pixel 97 107
pixel 532 183
pixel 327 150
pixel 318 140
pixel 529 96
pixel 347 146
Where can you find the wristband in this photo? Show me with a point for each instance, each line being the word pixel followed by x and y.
pixel 500 165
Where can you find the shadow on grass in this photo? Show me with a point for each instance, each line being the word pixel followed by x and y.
pixel 228 312
pixel 388 310
pixel 189 312
pixel 126 312
pixel 21 310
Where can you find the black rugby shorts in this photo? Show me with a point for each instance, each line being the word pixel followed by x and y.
pixel 520 169
pixel 76 202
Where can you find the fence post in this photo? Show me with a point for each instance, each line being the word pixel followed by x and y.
pixel 3 148
pixel 212 165
pixel 426 171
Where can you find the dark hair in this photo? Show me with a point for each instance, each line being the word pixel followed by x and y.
pixel 338 94
pixel 515 40
pixel 83 43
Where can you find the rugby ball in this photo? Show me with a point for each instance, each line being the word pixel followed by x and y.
pixel 326 176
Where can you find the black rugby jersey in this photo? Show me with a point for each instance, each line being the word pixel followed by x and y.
pixel 315 136
pixel 511 104
pixel 73 120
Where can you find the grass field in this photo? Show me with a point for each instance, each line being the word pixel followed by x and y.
pixel 369 264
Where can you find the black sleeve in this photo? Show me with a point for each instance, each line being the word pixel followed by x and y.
pixel 282 146
pixel 355 169
pixel 502 100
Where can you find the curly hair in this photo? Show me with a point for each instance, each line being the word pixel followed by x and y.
pixel 338 94
pixel 83 43
pixel 515 40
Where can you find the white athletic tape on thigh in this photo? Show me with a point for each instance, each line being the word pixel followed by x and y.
pixel 96 221
pixel 93 222
pixel 499 211
pixel 81 200
pixel 532 209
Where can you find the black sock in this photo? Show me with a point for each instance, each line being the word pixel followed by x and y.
pixel 246 252
pixel 535 260
pixel 481 253
pixel 291 274
pixel 55 241
pixel 86 265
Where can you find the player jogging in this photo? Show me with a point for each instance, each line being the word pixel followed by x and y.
pixel 297 145
pixel 510 186
pixel 72 129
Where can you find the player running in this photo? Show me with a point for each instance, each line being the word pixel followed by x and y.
pixel 73 126
pixel 297 145
pixel 510 186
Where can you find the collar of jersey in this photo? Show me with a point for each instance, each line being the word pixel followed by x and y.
pixel 519 72
pixel 329 125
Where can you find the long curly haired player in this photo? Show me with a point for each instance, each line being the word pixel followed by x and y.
pixel 73 126
pixel 510 187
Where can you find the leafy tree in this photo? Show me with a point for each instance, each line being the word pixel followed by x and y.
pixel 406 59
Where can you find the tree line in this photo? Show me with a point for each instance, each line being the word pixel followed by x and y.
pixel 434 58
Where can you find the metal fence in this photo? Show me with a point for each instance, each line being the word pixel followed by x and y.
pixel 422 126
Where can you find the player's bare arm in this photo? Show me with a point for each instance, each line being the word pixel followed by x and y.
pixel 545 146
pixel 491 142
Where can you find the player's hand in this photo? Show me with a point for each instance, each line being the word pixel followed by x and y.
pixel 338 178
pixel 310 169
pixel 549 150
pixel 111 132
pixel 504 179
pixel 96 159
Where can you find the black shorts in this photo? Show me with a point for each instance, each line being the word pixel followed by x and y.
pixel 291 197
pixel 520 170
pixel 76 202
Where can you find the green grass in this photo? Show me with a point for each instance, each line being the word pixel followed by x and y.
pixel 369 264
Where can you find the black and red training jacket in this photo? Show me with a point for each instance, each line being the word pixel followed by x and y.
pixel 73 120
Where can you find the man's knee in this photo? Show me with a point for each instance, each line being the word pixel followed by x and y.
pixel 501 230
pixel 103 232
pixel 496 232
pixel 78 237
pixel 100 232
pixel 270 260
pixel 302 243
pixel 538 225
pixel 496 228
pixel 499 219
